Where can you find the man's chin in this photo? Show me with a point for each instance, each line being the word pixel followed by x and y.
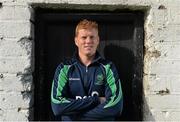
pixel 90 54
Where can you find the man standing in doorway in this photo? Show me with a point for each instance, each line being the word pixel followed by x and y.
pixel 87 87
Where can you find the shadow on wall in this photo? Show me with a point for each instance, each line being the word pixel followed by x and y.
pixel 124 60
pixel 147 114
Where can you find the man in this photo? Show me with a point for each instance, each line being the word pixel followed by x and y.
pixel 87 87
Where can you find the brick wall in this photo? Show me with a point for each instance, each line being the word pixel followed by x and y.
pixel 161 61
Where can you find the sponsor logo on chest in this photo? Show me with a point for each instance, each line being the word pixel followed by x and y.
pixel 94 93
pixel 74 79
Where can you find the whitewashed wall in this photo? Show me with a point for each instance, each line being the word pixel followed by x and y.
pixel 161 61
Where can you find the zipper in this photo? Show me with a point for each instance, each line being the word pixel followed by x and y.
pixel 86 80
pixel 86 69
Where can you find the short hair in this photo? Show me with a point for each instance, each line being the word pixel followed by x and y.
pixel 86 24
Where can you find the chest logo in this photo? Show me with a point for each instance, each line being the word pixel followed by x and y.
pixel 74 78
pixel 99 79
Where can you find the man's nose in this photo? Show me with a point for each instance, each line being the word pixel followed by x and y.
pixel 88 40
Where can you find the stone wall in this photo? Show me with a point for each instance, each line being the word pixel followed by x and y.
pixel 161 78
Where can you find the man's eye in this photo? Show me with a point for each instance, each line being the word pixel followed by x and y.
pixel 83 37
pixel 91 37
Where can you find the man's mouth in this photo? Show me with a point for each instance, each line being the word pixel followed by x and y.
pixel 88 47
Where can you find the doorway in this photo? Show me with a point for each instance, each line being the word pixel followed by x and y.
pixel 121 41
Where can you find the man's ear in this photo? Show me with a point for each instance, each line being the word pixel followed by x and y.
pixel 98 40
pixel 75 39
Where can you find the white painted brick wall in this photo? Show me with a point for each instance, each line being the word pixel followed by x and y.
pixel 15 29
pixel 11 115
pixel 162 82
pixel 161 62
pixel 13 100
pixel 14 64
pixel 16 92
pixel 16 85
pixel 166 115
pixel 16 49
pixel 15 13
pixel 163 73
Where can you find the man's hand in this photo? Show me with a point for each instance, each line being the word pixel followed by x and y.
pixel 102 99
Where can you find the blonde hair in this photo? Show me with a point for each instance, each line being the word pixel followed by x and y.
pixel 86 24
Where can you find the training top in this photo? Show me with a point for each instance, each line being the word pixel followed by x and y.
pixel 76 89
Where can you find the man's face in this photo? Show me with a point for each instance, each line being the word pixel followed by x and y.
pixel 87 41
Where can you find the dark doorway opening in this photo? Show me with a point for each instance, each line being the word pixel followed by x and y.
pixel 121 35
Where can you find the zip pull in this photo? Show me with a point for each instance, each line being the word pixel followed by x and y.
pixel 86 69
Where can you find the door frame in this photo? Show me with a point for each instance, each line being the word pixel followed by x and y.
pixel 46 16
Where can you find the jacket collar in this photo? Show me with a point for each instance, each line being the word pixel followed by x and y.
pixel 96 58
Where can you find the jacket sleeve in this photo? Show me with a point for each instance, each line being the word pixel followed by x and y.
pixel 61 103
pixel 113 105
